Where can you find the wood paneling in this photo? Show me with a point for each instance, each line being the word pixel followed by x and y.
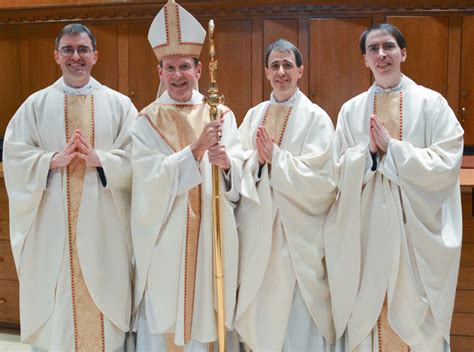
pixel 466 278
pixel 234 55
pixel 467 254
pixel 258 78
pixel 468 230
pixel 463 324
pixel 274 29
pixel 4 230
pixel 464 301
pixel 142 66
pixel 7 265
pixel 336 63
pixel 454 58
pixel 466 201
pixel 466 111
pixel 9 301
pixel 462 343
pixel 304 46
pixel 427 49
pixel 37 65
pixel 106 68
pixel 10 82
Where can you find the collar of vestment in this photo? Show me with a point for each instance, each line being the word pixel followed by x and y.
pixel 178 123
pixel 277 114
pixel 404 84
pixel 196 98
pixel 289 102
pixel 85 90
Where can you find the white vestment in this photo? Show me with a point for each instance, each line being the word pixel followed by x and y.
pixel 282 266
pixel 162 180
pixel 39 216
pixel 395 232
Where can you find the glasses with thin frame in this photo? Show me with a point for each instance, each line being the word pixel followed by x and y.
pixel 81 51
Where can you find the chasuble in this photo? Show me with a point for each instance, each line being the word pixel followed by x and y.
pixel 393 237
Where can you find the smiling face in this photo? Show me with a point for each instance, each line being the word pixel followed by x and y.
pixel 283 74
pixel 76 68
pixel 384 57
pixel 179 76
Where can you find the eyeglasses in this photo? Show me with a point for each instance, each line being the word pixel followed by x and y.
pixel 81 51
pixel 287 65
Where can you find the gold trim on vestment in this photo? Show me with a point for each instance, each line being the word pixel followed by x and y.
pixel 88 320
pixel 387 107
pixel 170 345
pixel 275 121
pixel 388 339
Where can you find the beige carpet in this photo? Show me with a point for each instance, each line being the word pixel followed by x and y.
pixel 11 343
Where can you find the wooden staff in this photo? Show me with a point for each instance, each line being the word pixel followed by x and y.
pixel 214 99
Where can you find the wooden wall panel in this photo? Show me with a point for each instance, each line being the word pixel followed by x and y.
pixel 106 68
pixel 10 84
pixel 462 343
pixel 466 111
pixel 258 78
pixel 464 301
pixel 463 324
pixel 234 55
pixel 336 64
pixel 142 66
pixel 37 65
pixel 466 278
pixel 454 59
pixel 427 49
pixel 274 29
pixel 467 255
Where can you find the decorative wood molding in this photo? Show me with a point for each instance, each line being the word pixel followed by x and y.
pixel 229 9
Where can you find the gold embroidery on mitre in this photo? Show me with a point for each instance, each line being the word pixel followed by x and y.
pixel 174 46
pixel 88 320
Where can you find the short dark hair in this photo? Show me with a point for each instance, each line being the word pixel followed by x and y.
pixel 195 59
pixel 386 27
pixel 284 46
pixel 75 29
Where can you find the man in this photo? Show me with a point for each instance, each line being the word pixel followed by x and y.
pixel 174 145
pixel 68 178
pixel 283 301
pixel 393 239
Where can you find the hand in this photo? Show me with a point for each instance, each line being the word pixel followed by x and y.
pixel 65 157
pixel 210 136
pixel 218 156
pixel 380 134
pixel 264 146
pixel 86 152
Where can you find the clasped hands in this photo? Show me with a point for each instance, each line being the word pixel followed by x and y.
pixel 77 147
pixel 379 135
pixel 264 146
pixel 210 140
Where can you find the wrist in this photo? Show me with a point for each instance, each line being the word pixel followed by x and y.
pixel 53 163
pixel 196 151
